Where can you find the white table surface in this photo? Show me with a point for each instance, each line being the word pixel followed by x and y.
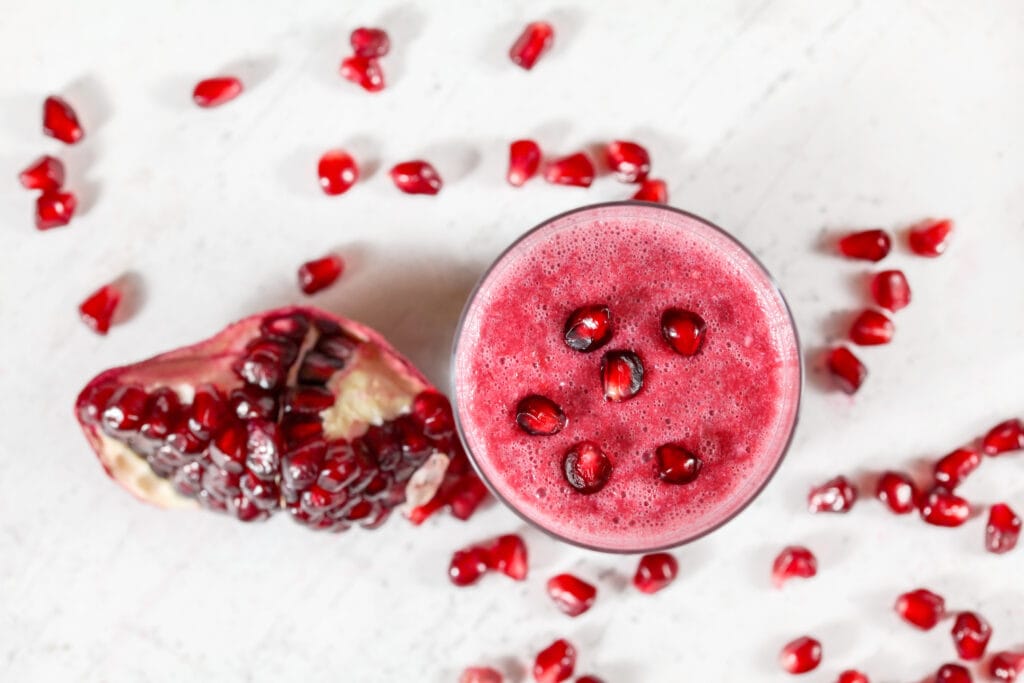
pixel 779 120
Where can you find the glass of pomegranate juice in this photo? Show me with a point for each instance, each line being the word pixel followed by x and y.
pixel 627 377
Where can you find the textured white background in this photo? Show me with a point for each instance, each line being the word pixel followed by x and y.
pixel 778 120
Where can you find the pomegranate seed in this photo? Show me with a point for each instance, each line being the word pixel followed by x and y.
pixel 852 676
pixel 1002 530
pixel 555 663
pixel 589 679
pixel 871 328
pixel 576 170
pixel 971 634
pixel 364 72
pixel 928 238
pixel 262 448
pixel 794 562
pixel 629 161
pixel 60 121
pixel 523 161
pixel 467 566
pixel 209 411
pixel 572 595
pixel 897 491
pixel 540 416
pixel 480 674
pixel 622 375
pixel 683 330
pixel 951 470
pixel 534 41
pixel 586 467
pixel 125 409
pixel 676 464
pixel 943 508
pixel 655 572
pixel 507 554
pixel 835 495
pixel 890 290
pixel 801 655
pixel 953 673
pixel 433 414
pixel 46 173
pixel 370 42
pixel 213 92
pixel 416 177
pixel 652 190
pixel 1006 666
pixel 228 449
pixel 161 412
pixel 588 328
pixel 1005 436
pixel 847 370
pixel 468 496
pixel 98 309
pixel 921 608
pixel 338 172
pixel 320 274
pixel 54 209
pixel 869 245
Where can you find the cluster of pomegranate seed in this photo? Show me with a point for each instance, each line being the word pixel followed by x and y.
pixel 505 554
pixel 554 664
pixel 55 206
pixel 363 67
pixel 338 171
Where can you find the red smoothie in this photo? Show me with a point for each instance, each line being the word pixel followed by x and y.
pixel 732 404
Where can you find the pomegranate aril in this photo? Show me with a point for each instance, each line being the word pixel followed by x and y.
pixel 262 448
pixel 213 92
pixel 540 416
pixel 572 595
pixel 622 375
pixel 576 170
pixel 589 679
pixel 125 409
pixel 416 177
pixel 433 413
pixel 928 238
pixel 684 331
pixel 301 467
pixel 835 495
pixel 793 562
pixel 652 190
pixel 60 121
pixel 1002 530
pixel 250 402
pixel 246 510
pixel 162 411
pixel 555 663
pixel 654 572
pixel 319 274
pixel 227 450
pixel 1004 437
pixel 365 72
pixel 890 290
pixel 871 328
pixel 209 411
pixel 523 161
pixel 971 634
pixel 480 674
pixel 852 676
pixel 952 469
pixel 182 441
pixel 337 171
pixel 921 608
pixel 264 494
pixel 953 673
pixel 868 245
pixel 221 484
pixel 944 508
pixel 54 209
pixel 97 311
pixel 46 173
pixel 467 566
pixel 847 370
pixel 188 480
pixel 588 328
pixel 369 42
pixel 470 493
pixel 507 554
pixel 1006 666
pixel 317 368
pixel 629 161
pixel 340 346
pixel 534 41
pixel 676 464
pixel 801 655
pixel 897 491
pixel 262 369
pixel 307 400
pixel 586 467
pixel 286 327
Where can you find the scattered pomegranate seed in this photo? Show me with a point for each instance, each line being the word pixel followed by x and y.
pixel 321 273
pixel 338 172
pixel 1004 437
pixel 589 679
pixel 54 209
pixel 534 41
pixel 98 310
pixel 928 238
pixel 629 161
pixel 588 328
pixel 46 173
pixel 676 464
pixel 971 634
pixel 871 328
pixel 897 491
pixel 835 495
pixel 891 290
pixel 801 655
pixel 364 72
pixel 214 92
pixel 655 572
pixel 572 595
pixel 952 469
pixel 416 177
pixel 869 245
pixel 523 161
pixel 921 608
pixel 370 42
pixel 507 554
pixel 60 121
pixel 794 562
pixel 953 673
pixel 480 674
pixel 944 508
pixel 684 331
pixel 622 375
pixel 576 169
pixel 847 370
pixel 852 676
pixel 1006 666
pixel 586 467
pixel 1002 530
pixel 555 663
pixel 467 566
pixel 652 190
pixel 540 416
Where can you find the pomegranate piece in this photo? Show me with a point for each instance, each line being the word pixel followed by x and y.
pixel 338 172
pixel 1004 437
pixel 676 464
pixel 60 121
pixel 213 92
pixel 897 491
pixel 944 508
pixel 576 170
pixel 871 328
pixel 652 190
pixel 536 39
pixel 684 331
pixel 416 177
pixel 540 416
pixel 45 173
pixel 572 595
pixel 507 554
pixel 835 495
pixel 523 161
pixel 654 572
pixel 852 676
pixel 921 608
pixel 467 566
pixel 953 673
pixel 868 245
pixel 555 663
pixel 891 290
pixel 1006 666
pixel 1002 530
pixel 952 469
pixel 588 328
pixel 98 309
pixel 801 655
pixel 586 467
pixel 847 370
pixel 622 375
pixel 480 674
pixel 794 561
pixel 320 274
pixel 369 42
pixel 54 209
pixel 971 634
pixel 629 161
pixel 928 238
pixel 364 72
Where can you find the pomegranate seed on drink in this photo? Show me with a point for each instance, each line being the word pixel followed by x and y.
pixel 652 190
pixel 555 663
pixel 971 634
pixel 45 173
pixel 576 170
pixel 629 161
pixel 801 655
pixel 319 274
pixel 536 39
pixel 364 72
pixel 416 177
pixel 337 171
pixel 622 375
pixel 1004 437
pixel 891 290
pixel 921 608
pixel 897 491
pixel 523 161
pixel 654 572
pixel 54 209
pixel 847 370
pixel 684 331
pixel 1006 666
pixel 98 309
pixel 928 238
pixel 794 561
pixel 571 595
pixel 676 464
pixel 952 469
pixel 953 673
pixel 586 467
pixel 588 328
pixel 540 416
pixel 868 245
pixel 480 674
pixel 871 328
pixel 835 495
pixel 852 676
pixel 213 92
pixel 369 42
pixel 60 121
pixel 1002 530
pixel 944 508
